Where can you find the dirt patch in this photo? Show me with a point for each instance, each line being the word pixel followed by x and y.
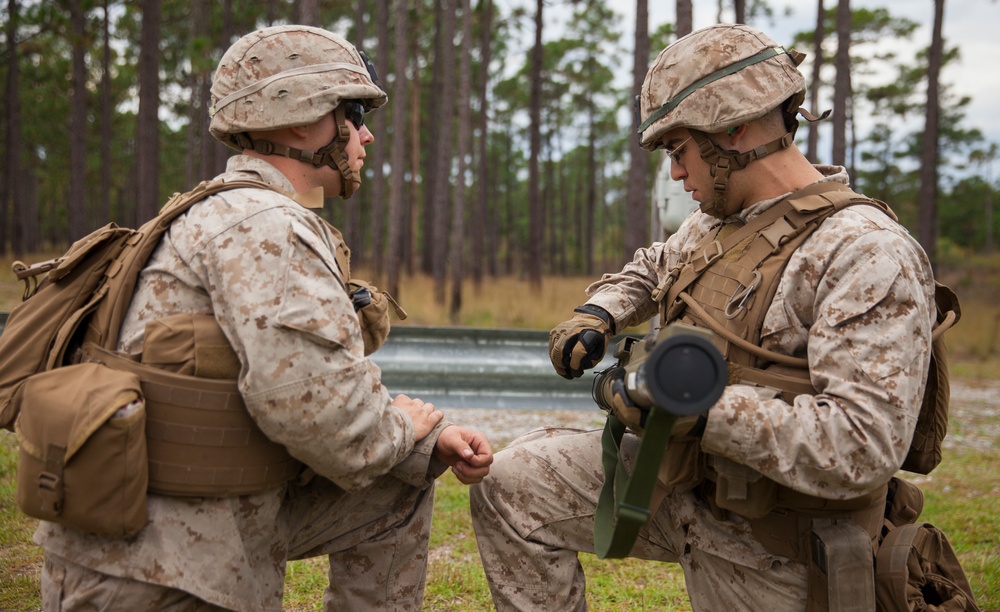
pixel 974 421
pixel 975 408
pixel 501 426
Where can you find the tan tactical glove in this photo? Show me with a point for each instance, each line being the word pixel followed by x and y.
pixel 372 307
pixel 612 396
pixel 579 344
pixel 622 405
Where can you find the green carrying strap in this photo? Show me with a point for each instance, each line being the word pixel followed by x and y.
pixel 624 509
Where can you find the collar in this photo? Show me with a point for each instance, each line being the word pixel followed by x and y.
pixel 831 174
pixel 244 164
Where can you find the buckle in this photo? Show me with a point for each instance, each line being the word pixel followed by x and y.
pixel 711 258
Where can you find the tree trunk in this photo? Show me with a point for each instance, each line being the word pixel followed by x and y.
pixel 464 151
pixel 430 174
pixel 148 123
pixel 483 242
pixel 220 151
pixel 637 191
pixel 927 197
pixel 397 218
pixel 77 196
pixel 812 143
pixel 352 227
pixel 12 189
pixel 443 148
pixel 842 86
pixel 685 18
pixel 307 13
pixel 740 7
pixel 107 123
pixel 409 206
pixel 536 228
pixel 192 169
pixel 510 242
pixel 379 149
pixel 591 200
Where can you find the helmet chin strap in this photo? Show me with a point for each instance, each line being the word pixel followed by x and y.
pixel 722 163
pixel 333 154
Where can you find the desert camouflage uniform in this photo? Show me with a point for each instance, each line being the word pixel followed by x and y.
pixel 867 357
pixel 265 266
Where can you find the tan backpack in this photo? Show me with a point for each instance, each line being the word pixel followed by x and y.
pixel 80 424
pixel 82 295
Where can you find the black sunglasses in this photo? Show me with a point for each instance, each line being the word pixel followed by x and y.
pixel 354 111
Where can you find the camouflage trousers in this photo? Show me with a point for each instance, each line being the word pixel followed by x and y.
pixel 535 512
pixel 376 540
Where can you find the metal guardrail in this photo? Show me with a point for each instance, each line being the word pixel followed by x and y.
pixel 460 367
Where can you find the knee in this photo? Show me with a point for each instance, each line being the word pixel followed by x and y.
pixel 486 497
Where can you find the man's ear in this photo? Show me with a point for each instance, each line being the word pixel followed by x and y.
pixel 737 133
pixel 299 131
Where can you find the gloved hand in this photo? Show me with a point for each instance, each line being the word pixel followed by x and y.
pixel 579 344
pixel 622 406
pixel 634 416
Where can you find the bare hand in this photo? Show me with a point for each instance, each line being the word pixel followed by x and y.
pixel 467 451
pixel 423 415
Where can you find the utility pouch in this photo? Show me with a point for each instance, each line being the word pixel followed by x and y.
pixel 841 576
pixel 190 344
pixel 743 490
pixel 682 467
pixel 82 457
pixel 372 307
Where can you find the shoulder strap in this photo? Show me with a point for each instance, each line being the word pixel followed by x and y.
pixel 123 273
pixel 776 225
pixel 786 224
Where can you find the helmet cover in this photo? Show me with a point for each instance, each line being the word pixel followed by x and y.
pixel 716 78
pixel 285 76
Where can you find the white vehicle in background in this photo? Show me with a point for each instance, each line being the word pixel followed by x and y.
pixel 671 203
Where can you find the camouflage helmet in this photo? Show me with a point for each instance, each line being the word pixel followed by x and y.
pixel 285 76
pixel 717 78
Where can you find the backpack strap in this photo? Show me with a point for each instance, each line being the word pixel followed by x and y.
pixel 123 273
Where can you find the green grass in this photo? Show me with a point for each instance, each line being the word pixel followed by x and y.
pixel 962 498
pixel 20 559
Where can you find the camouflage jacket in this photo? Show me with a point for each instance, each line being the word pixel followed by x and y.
pixel 265 266
pixel 868 356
